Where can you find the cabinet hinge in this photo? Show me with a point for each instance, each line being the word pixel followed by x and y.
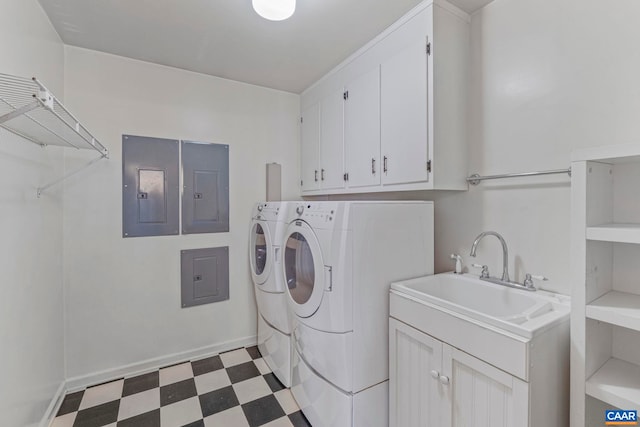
pixel 346 177
pixel 428 48
pixel 301 119
pixel 301 183
pixel 345 95
pixel 428 165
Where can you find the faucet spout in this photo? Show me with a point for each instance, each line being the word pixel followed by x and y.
pixel 505 251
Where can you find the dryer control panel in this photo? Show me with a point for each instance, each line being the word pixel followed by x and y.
pixel 316 212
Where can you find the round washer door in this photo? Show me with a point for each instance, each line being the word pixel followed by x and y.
pixel 303 269
pixel 260 252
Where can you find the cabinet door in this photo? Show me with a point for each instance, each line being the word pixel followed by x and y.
pixel 362 129
pixel 482 395
pixel 404 119
pixel 310 148
pixel 331 141
pixel 416 396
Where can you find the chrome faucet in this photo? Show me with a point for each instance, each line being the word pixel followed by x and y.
pixel 505 252
pixel 528 282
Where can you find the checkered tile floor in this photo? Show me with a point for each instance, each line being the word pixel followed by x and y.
pixel 232 389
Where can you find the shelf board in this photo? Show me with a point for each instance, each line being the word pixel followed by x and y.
pixel 617 308
pixel 617 383
pixel 621 233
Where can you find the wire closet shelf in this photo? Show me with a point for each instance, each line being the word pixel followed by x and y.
pixel 29 109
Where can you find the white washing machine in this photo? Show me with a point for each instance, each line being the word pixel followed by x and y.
pixel 339 260
pixel 274 322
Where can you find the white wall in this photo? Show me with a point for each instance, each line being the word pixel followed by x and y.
pixel 548 76
pixel 123 295
pixel 31 291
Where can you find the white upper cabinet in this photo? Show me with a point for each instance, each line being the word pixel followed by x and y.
pixel 310 148
pixel 404 119
pixel 322 148
pixel 362 129
pixel 404 98
pixel 331 145
pixel 403 123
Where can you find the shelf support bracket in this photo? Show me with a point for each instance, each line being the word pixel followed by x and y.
pixel 44 188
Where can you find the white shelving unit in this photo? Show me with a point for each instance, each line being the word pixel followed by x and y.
pixel 29 110
pixel 605 318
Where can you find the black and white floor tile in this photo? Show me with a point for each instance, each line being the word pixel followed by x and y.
pixel 231 389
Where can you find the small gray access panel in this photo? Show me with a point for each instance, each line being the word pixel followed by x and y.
pixel 150 193
pixel 205 196
pixel 204 276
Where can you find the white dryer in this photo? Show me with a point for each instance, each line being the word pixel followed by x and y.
pixel 274 323
pixel 339 260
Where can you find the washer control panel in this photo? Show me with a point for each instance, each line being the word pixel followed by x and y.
pixel 268 211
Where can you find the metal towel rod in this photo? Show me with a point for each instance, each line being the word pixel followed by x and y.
pixel 475 178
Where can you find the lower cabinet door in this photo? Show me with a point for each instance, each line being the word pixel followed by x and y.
pixel 482 395
pixel 416 395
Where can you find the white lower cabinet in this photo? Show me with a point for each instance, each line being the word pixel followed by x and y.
pixel 416 398
pixel 482 395
pixel 434 384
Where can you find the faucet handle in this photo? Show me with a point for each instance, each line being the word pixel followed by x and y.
pixel 528 279
pixel 484 274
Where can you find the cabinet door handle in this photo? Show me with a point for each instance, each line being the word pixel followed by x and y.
pixel 315 175
pixel 435 374
pixel 322 174
pixel 373 166
pixel 384 164
pixel 444 379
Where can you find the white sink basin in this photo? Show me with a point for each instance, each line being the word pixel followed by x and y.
pixel 518 311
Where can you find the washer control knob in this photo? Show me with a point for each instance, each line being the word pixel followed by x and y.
pixel 260 207
pixel 300 209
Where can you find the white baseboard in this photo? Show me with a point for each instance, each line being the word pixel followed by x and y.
pixel 84 381
pixel 54 406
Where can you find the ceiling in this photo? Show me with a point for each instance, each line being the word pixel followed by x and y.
pixel 226 38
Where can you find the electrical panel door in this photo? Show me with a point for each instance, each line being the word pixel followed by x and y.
pixel 150 190
pixel 205 192
pixel 204 276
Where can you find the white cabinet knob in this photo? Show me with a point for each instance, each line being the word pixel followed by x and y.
pixel 435 374
pixel 444 380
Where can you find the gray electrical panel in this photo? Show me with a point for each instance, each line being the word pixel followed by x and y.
pixel 205 193
pixel 204 276
pixel 150 194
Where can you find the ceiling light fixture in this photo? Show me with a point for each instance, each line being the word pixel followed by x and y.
pixel 274 10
